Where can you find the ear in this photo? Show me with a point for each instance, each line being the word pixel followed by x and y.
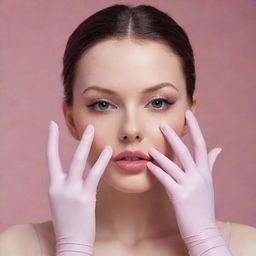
pixel 193 109
pixel 68 114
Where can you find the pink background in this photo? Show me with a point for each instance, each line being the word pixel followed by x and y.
pixel 33 34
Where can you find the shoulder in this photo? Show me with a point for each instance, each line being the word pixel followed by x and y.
pixel 243 239
pixel 46 235
pixel 18 239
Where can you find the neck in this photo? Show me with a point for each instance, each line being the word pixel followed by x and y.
pixel 131 217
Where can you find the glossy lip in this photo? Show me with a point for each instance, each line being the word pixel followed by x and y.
pixel 128 153
pixel 131 166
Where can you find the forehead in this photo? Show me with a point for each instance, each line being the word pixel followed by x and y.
pixel 127 62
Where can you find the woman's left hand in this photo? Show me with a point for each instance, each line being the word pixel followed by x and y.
pixel 190 190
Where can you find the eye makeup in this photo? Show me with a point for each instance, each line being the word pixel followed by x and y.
pixel 96 102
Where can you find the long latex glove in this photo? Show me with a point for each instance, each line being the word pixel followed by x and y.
pixel 72 200
pixel 191 190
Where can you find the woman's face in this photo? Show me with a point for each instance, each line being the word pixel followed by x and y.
pixel 128 118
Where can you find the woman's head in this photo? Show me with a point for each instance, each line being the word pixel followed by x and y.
pixel 141 23
pixel 128 50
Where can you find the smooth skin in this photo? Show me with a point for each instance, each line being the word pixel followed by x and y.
pixel 143 220
pixel 134 215
pixel 130 121
pixel 73 200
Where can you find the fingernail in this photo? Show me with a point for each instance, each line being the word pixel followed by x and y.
pixel 188 112
pixel 52 124
pixel 149 164
pixel 164 127
pixel 220 149
pixel 152 151
pixel 108 149
pixel 90 128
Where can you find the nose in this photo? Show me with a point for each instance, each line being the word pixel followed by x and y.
pixel 130 134
pixel 130 137
pixel 131 127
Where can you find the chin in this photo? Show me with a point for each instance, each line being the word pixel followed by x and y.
pixel 138 182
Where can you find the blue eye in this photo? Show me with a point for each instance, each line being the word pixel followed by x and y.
pixel 159 102
pixel 103 105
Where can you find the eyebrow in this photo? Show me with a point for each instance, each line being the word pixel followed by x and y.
pixel 151 89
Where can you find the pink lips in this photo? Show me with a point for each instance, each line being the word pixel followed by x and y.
pixel 128 153
pixel 132 165
pixel 136 165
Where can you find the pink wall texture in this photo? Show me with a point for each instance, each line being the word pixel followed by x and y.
pixel 33 34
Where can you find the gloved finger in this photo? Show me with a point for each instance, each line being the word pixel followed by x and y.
pixel 53 159
pixel 163 177
pixel 167 165
pixel 179 147
pixel 80 157
pixel 212 157
pixel 199 145
pixel 93 178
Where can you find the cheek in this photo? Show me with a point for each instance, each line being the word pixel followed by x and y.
pixel 177 124
pixel 100 140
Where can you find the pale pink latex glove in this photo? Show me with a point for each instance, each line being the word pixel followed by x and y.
pixel 191 190
pixel 72 200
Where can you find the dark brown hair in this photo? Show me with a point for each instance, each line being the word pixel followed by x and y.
pixel 143 22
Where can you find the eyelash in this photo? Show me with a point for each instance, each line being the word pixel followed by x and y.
pixel 100 101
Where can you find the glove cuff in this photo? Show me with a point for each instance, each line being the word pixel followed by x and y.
pixel 206 240
pixel 68 247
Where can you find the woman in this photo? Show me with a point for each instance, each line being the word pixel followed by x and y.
pixel 129 82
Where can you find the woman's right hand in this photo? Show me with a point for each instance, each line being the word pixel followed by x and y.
pixel 72 200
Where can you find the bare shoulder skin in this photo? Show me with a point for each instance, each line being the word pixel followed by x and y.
pixel 20 240
pixel 243 239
